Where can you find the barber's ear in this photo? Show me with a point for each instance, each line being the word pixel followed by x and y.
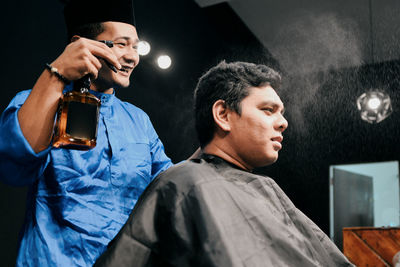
pixel 220 113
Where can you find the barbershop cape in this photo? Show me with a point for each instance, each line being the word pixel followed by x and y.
pixel 207 212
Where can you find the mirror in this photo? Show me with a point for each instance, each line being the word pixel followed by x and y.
pixel 363 195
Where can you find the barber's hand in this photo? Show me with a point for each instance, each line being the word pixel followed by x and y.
pixel 80 57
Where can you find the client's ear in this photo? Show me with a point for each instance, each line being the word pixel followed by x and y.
pixel 220 113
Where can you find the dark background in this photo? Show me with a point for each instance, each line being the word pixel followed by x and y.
pixel 324 128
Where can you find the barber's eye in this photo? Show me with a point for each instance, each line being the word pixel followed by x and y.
pixel 121 44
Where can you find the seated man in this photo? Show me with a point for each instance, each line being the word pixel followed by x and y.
pixel 213 211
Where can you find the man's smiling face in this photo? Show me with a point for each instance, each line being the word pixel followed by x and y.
pixel 125 40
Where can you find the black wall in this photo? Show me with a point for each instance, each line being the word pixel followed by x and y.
pixel 324 126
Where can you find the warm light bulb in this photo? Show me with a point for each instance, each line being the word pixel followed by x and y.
pixel 164 61
pixel 374 103
pixel 143 48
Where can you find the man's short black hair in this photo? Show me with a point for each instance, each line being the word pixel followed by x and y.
pixel 229 82
pixel 90 30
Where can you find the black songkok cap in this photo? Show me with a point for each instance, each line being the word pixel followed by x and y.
pixel 81 12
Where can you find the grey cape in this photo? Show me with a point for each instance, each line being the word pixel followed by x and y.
pixel 207 212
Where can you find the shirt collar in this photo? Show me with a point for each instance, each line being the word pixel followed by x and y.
pixel 106 99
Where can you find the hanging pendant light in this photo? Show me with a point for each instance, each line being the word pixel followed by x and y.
pixel 374 106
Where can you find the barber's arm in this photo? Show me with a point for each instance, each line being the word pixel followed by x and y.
pixel 36 116
pixel 26 125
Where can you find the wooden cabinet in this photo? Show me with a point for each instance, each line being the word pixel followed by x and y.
pixel 370 246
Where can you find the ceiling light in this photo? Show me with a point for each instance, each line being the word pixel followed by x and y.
pixel 374 106
pixel 164 61
pixel 374 103
pixel 143 48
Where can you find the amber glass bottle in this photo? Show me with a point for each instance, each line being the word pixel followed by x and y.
pixel 77 118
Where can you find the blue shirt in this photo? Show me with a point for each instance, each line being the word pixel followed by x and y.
pixel 79 200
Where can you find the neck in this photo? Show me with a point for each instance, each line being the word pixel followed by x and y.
pixel 221 150
pixel 106 91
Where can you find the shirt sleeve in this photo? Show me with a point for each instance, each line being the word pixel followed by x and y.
pixel 19 164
